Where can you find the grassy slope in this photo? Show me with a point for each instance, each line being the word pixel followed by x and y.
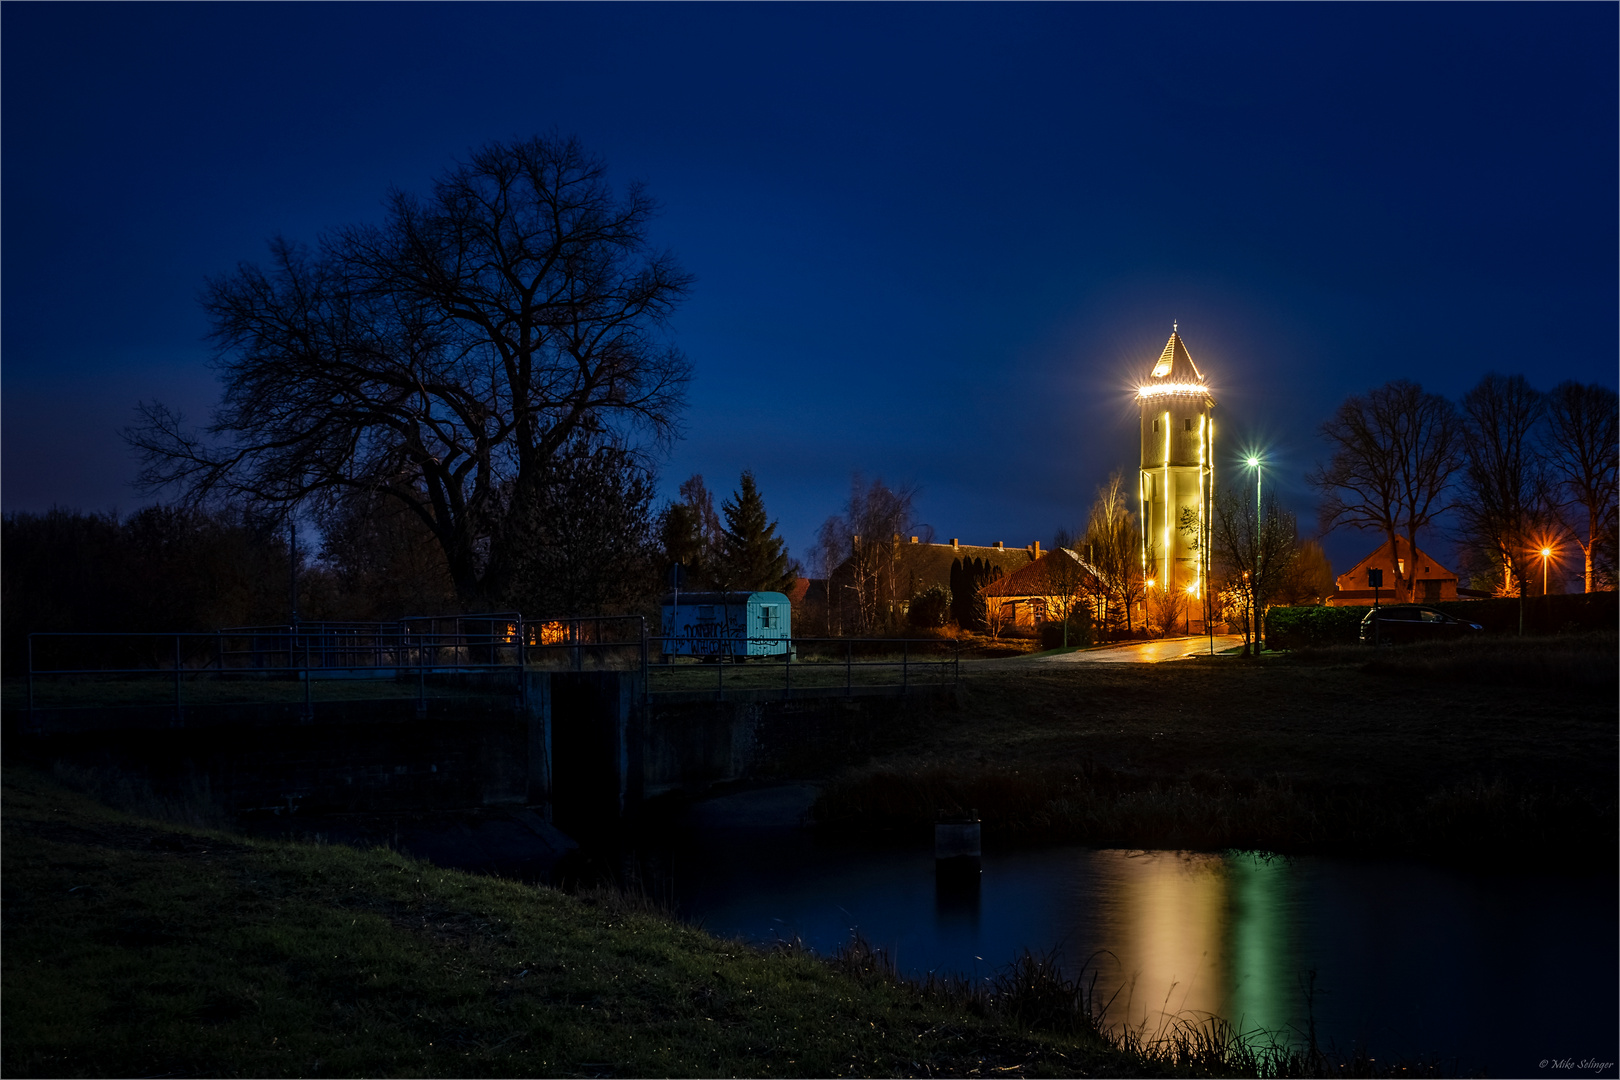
pixel 1273 753
pixel 138 948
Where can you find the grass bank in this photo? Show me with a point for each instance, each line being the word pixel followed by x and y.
pixel 1504 748
pixel 139 947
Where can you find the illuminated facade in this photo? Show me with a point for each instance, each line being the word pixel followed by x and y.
pixel 1177 477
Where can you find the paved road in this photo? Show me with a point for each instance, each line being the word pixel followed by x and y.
pixel 1143 652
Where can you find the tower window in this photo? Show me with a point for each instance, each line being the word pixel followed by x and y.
pixel 1189 423
pixel 1155 425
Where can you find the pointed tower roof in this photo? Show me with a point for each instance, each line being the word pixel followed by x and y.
pixel 1174 364
pixel 1175 373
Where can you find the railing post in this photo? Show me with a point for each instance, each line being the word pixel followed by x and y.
pixel 787 668
pixel 904 681
pixel 421 679
pixel 309 704
pixel 178 714
pixel 646 675
pixel 522 674
pixel 848 684
pixel 719 672
pixel 33 721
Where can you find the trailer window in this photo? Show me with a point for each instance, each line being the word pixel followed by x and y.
pixel 767 616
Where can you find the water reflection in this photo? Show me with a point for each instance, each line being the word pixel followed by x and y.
pixel 1408 960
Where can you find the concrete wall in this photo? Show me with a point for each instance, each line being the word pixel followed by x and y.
pixel 581 747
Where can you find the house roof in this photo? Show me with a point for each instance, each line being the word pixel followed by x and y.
pixel 919 566
pixel 1384 557
pixel 1036 578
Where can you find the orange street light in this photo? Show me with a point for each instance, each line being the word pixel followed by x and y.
pixel 1546 553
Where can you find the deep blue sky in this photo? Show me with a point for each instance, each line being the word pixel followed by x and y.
pixel 933 243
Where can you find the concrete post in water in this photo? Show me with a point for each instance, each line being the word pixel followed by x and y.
pixel 956 848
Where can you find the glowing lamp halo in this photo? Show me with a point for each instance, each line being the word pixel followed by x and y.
pixel 1172 390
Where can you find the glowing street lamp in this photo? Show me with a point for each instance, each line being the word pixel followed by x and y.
pixel 1254 463
pixel 1546 553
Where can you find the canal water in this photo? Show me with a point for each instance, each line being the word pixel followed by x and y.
pixel 1486 970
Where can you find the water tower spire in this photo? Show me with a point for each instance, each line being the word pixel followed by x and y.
pixel 1177 474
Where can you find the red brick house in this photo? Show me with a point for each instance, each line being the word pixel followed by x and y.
pixel 1033 593
pixel 1431 582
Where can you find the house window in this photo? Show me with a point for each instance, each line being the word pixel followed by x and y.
pixel 1400 565
pixel 767 616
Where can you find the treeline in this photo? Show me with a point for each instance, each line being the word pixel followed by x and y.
pixel 591 542
pixel 162 569
pixel 1508 472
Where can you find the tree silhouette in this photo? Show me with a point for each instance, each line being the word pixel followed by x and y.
pixel 443 358
pixel 753 557
pixel 1394 450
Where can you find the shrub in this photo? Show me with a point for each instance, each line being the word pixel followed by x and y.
pixel 1312 627
pixel 1080 630
pixel 930 608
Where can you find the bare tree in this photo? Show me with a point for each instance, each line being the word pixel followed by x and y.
pixel 1504 475
pixel 1115 545
pixel 1309 579
pixel 443 358
pixel 1254 554
pixel 691 534
pixel 1581 441
pixel 865 536
pixel 1394 450
pixel 1065 577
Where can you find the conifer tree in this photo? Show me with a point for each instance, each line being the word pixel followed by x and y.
pixel 752 557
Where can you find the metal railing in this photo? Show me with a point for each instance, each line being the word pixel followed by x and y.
pixel 808 666
pixel 440 657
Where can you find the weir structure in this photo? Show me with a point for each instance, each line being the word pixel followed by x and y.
pixel 578 720
pixel 1177 478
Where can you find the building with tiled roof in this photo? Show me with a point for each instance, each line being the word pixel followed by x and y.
pixel 918 567
pixel 1431 582
pixel 1038 591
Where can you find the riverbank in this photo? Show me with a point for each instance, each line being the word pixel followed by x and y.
pixel 1428 752
pixel 144 947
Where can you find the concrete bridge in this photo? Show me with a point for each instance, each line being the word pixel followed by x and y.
pixel 578 747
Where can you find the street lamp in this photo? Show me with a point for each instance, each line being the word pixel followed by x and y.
pixel 1254 463
pixel 1546 553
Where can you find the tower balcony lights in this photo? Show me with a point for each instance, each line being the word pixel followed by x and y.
pixel 1175 389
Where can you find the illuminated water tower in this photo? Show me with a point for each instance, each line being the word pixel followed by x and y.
pixel 1178 470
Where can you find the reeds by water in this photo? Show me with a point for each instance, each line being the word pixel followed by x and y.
pixel 1033 993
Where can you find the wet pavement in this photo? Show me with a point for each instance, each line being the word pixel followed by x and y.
pixel 1145 652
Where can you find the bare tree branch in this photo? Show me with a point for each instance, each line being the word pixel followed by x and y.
pixel 444 358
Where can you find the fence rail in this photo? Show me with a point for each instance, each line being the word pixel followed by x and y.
pixel 440 657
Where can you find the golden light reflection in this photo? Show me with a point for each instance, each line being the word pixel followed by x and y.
pixel 1197 935
pixel 1175 921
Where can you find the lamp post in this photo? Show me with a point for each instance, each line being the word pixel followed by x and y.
pixel 1254 463
pixel 1546 553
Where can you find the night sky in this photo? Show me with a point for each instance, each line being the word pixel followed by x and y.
pixel 933 243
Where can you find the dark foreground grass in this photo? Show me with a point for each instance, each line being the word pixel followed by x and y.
pixel 135 947
pixel 1506 750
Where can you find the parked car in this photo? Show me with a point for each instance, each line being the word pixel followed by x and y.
pixel 1401 623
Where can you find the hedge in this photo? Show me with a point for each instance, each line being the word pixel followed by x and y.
pixel 1303 627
